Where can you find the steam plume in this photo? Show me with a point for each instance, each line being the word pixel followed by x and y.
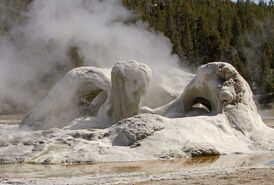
pixel 100 29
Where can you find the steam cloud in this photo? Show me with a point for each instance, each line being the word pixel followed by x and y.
pixel 99 28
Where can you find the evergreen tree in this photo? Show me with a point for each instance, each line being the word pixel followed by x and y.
pixel 236 30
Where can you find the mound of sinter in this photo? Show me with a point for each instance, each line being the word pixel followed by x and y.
pixel 109 100
pixel 217 89
pixel 214 115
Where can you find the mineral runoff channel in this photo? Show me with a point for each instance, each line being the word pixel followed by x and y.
pixel 189 166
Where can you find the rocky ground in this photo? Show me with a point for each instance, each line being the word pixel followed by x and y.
pixel 124 174
pixel 10 119
pixel 235 169
pixel 253 176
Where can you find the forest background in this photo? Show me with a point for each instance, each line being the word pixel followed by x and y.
pixel 239 32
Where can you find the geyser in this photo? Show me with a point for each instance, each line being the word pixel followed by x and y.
pixel 37 50
pixel 229 123
pixel 216 87
pixel 61 104
pixel 112 100
pixel 130 81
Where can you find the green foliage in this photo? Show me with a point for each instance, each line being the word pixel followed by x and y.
pixel 240 33
pixel 12 12
pixel 201 31
pixel 74 57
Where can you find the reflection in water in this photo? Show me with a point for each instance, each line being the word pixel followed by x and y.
pixel 144 167
pixel 199 160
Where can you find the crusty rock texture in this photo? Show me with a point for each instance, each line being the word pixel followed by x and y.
pixel 112 100
pixel 214 115
pixel 130 81
pixel 61 105
pixel 131 130
pixel 220 89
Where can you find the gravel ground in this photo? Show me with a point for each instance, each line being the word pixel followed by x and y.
pixel 248 176
pixel 11 119
pixel 253 176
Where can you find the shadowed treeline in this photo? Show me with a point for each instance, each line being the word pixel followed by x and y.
pixel 241 33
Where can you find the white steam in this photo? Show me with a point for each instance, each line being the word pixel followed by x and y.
pixel 99 28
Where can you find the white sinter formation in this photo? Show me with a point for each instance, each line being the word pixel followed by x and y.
pixel 130 81
pixel 217 89
pixel 112 100
pixel 61 105
pixel 214 115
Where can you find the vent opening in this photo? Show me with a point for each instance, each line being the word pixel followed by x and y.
pixel 202 103
pixel 200 106
pixel 86 99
